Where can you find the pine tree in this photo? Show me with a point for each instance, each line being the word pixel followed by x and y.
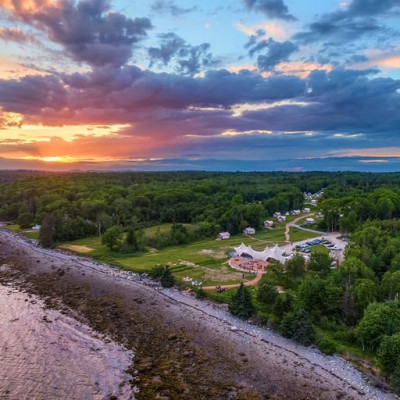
pixel 304 332
pixel 131 239
pixel 241 304
pixel 167 279
pixel 47 231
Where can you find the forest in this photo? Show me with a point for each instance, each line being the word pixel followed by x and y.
pixel 353 309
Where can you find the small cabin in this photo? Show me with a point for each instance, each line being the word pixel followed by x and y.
pixel 281 218
pixel 310 221
pixel 306 209
pixel 268 224
pixel 224 235
pixel 295 212
pixel 36 227
pixel 249 231
pixel 277 214
pixel 314 202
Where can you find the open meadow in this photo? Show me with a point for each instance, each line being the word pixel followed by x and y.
pixel 204 261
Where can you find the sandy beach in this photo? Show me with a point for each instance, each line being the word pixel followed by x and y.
pixel 184 348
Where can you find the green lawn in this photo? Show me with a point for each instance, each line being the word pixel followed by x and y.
pixel 14 227
pixel 297 235
pixel 271 235
pixel 205 260
pixel 26 232
pixel 320 248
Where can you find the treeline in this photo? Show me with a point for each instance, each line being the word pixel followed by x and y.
pixel 82 204
pixel 346 211
pixel 78 205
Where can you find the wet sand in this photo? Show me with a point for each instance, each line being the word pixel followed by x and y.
pixel 184 348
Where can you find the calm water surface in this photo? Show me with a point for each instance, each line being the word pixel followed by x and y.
pixel 47 355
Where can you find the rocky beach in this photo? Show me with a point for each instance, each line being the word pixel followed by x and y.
pixel 182 348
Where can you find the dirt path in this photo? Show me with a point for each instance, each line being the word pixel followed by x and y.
pixel 184 348
pixel 253 282
pixel 289 224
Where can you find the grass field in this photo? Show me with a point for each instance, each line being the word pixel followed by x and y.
pixel 296 235
pixel 274 235
pixel 205 260
pixel 26 232
pixel 320 248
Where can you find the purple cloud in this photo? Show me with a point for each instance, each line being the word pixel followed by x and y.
pixel 88 30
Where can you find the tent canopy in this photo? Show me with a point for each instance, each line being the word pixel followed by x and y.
pixel 269 252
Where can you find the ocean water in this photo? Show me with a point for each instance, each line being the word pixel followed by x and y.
pixel 45 355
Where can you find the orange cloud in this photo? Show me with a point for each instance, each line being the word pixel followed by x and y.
pixel 379 58
pixel 297 68
pixel 26 6
pixel 11 70
pixel 274 29
pixel 378 152
pixel 300 68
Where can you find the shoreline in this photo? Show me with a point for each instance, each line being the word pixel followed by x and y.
pixel 199 343
pixel 56 354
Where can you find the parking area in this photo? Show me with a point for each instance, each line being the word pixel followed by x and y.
pixel 332 241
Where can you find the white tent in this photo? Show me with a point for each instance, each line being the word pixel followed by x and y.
pixel 269 252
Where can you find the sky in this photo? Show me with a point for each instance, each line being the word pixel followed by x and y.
pixel 251 85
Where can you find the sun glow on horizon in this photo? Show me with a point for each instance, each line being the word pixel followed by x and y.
pixel 52 159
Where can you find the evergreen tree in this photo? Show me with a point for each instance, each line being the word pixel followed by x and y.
pixel 283 304
pixel 298 327
pixel 241 304
pixel 304 332
pixel 131 243
pixel 167 279
pixel 47 230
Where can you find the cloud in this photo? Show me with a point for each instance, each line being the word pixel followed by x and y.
pixel 377 58
pixel 277 30
pixel 164 6
pixel 16 35
pixel 271 8
pixel 350 23
pixel 160 106
pixel 339 29
pixel 277 52
pixel 88 30
pixel 188 59
pixel 372 7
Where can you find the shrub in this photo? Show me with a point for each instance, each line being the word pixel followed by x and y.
pixel 327 346
pixel 167 279
pixel 156 271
